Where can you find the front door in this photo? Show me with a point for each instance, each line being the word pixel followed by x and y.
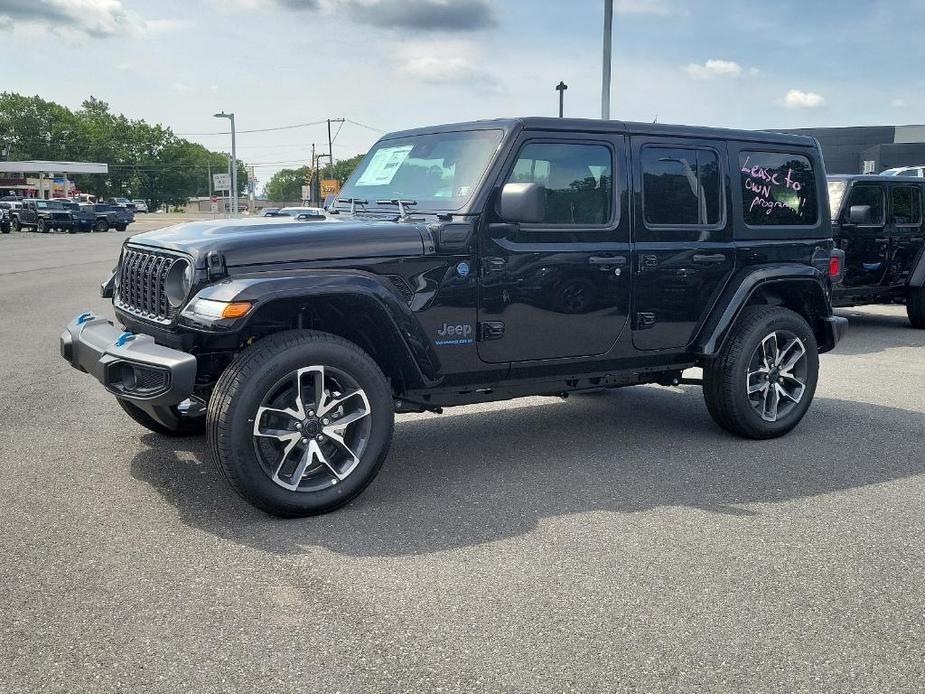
pixel 559 288
pixel 867 244
pixel 683 251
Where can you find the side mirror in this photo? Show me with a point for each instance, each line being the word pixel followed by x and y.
pixel 523 202
pixel 859 214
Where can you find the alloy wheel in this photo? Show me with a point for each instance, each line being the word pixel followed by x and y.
pixel 777 374
pixel 312 428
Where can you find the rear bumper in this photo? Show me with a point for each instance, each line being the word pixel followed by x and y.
pixel 129 366
pixel 835 327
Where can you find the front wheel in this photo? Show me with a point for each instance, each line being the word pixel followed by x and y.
pixel 17 225
pixel 121 227
pixel 301 422
pixel 101 225
pixel 915 307
pixel 41 227
pixel 763 380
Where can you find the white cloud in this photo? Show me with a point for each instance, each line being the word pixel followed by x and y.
pixel 660 8
pixel 716 68
pixel 899 103
pixel 446 63
pixel 800 99
pixel 80 18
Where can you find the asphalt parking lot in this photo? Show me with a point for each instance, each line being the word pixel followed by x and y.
pixel 619 543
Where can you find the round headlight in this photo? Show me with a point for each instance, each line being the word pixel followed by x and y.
pixel 179 282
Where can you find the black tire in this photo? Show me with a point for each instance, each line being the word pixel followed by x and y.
pixel 5 229
pixel 121 227
pixel 726 377
pixel 17 226
pixel 189 427
pixel 915 307
pixel 101 225
pixel 248 383
pixel 41 227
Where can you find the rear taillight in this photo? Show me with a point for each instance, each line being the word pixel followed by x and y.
pixel 834 266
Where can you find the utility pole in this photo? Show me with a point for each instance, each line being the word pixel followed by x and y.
pixel 209 164
pixel 314 174
pixel 561 87
pixel 233 163
pixel 331 144
pixel 608 46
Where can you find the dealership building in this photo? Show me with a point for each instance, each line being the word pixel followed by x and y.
pixel 868 149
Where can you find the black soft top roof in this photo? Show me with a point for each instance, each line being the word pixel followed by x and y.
pixel 871 178
pixel 589 125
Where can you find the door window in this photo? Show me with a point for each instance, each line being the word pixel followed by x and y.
pixel 578 180
pixel 871 196
pixel 778 189
pixel 907 206
pixel 680 187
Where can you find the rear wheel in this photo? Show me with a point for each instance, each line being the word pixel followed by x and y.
pixel 5 229
pixel 17 226
pixel 41 227
pixel 101 225
pixel 763 380
pixel 301 422
pixel 121 227
pixel 915 307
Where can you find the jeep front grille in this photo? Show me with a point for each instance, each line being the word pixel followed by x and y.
pixel 142 279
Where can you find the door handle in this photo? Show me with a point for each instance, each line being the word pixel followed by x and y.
pixel 713 259
pixel 610 260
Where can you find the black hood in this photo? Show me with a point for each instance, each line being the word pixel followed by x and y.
pixel 265 240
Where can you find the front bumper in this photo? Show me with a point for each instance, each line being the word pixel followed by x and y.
pixel 129 365
pixel 835 327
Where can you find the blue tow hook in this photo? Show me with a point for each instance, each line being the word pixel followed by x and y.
pixel 124 337
pixel 84 317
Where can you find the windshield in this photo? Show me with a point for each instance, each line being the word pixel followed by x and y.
pixel 439 171
pixel 836 193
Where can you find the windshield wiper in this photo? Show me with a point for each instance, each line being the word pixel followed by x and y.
pixel 403 213
pixel 353 204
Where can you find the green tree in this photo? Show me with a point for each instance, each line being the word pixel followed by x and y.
pixel 344 167
pixel 286 184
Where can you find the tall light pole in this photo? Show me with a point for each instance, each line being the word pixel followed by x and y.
pixel 234 164
pixel 561 87
pixel 605 74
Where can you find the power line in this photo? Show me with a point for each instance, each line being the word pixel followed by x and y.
pixel 368 127
pixel 257 130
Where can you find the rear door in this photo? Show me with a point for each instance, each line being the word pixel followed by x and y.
pixel 683 251
pixel 559 288
pixel 905 230
pixel 866 245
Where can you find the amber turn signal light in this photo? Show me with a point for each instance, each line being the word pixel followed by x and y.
pixel 236 309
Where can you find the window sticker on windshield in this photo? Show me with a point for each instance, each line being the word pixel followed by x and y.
pixel 384 164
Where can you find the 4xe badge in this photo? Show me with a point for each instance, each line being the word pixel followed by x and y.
pixel 455 334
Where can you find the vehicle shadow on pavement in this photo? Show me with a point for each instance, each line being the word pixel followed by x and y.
pixel 869 333
pixel 467 478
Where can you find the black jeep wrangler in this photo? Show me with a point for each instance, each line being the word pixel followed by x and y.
pixel 43 216
pixel 475 262
pixel 878 223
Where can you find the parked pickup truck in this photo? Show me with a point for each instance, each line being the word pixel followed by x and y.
pixel 475 262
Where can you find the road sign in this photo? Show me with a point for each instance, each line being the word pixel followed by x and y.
pixel 329 186
pixel 306 192
pixel 221 181
pixel 214 207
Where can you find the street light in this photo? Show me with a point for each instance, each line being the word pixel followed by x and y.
pixel 234 164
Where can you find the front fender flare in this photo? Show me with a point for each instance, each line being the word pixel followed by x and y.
pixel 742 288
pixel 264 288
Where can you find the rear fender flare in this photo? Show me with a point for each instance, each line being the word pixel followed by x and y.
pixel 748 284
pixel 918 274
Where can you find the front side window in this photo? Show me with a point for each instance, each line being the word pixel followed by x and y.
pixel 681 187
pixel 907 206
pixel 438 171
pixel 778 189
pixel 872 197
pixel 578 179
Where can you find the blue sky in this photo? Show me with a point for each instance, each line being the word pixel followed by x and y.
pixel 394 64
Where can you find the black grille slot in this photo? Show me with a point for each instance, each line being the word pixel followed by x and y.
pixel 401 284
pixel 142 285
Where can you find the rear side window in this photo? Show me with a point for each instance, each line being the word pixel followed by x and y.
pixel 578 180
pixel 680 187
pixel 907 205
pixel 871 196
pixel 778 189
